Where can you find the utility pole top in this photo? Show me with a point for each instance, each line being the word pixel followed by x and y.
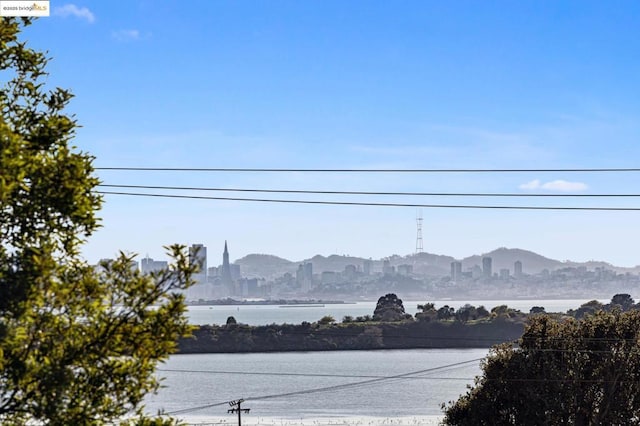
pixel 238 410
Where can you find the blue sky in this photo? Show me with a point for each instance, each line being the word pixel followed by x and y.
pixel 358 84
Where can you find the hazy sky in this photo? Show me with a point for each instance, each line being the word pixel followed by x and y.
pixel 356 84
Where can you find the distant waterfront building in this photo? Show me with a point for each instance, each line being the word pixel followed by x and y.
pixel 225 270
pixel 148 265
pixel 517 269
pixel 308 271
pixel 405 270
pixel 367 266
pixel 486 267
pixel 198 256
pixel 350 272
pixel 304 276
pixel 387 269
pixel 504 274
pixel 329 277
pixel 456 271
pixel 248 287
pixel 308 276
pixel 235 272
pixel 212 273
pixel 476 271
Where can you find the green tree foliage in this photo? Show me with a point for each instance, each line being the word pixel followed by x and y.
pixel 78 344
pixel 623 300
pixel 326 320
pixel 537 310
pixel 390 308
pixel 427 312
pixel 446 312
pixel 347 319
pixel 561 373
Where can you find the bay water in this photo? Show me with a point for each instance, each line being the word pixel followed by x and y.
pixel 317 388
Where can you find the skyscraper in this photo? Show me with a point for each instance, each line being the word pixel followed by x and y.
pixel 517 269
pixel 198 256
pixel 486 267
pixel 227 280
pixel 456 271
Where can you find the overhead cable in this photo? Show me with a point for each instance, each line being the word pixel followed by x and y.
pixel 302 170
pixel 353 203
pixel 329 388
pixel 329 192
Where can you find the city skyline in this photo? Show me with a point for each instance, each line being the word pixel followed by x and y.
pixel 356 85
pixel 484 262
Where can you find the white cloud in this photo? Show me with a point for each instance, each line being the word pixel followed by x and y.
pixel 534 184
pixel 126 35
pixel 565 186
pixel 555 185
pixel 75 11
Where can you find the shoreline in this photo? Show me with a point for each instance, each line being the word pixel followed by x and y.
pixel 307 337
pixel 251 420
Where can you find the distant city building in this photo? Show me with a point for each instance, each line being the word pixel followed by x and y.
pixel 148 265
pixel 456 271
pixel 387 269
pixel 212 273
pixel 350 272
pixel 308 271
pixel 198 256
pixel 248 287
pixel 235 271
pixel 304 276
pixel 476 271
pixel 504 274
pixel 517 269
pixel 405 270
pixel 329 277
pixel 225 271
pixel 367 266
pixel 486 267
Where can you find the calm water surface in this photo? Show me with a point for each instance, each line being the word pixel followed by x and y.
pixel 386 383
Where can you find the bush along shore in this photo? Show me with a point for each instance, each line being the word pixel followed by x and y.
pixel 389 328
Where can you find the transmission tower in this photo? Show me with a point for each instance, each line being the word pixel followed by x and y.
pixel 419 234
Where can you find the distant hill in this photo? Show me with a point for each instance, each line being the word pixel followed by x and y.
pixel 333 263
pixel 265 266
pixel 504 258
pixel 430 264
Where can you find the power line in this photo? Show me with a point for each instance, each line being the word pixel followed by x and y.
pixel 300 170
pixel 315 375
pixel 404 376
pixel 352 203
pixel 328 192
pixel 329 388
